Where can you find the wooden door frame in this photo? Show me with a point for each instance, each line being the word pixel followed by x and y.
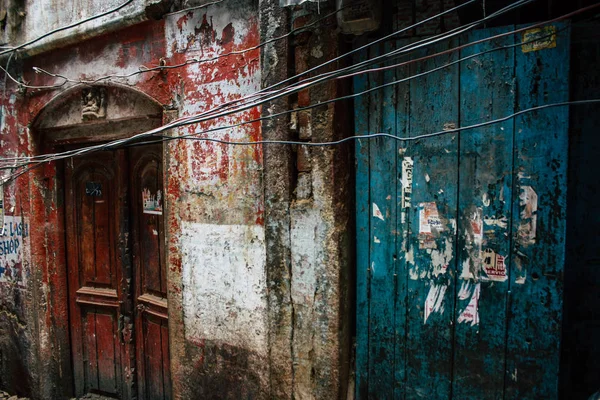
pixel 48 212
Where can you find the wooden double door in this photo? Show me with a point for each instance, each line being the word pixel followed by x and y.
pixel 117 275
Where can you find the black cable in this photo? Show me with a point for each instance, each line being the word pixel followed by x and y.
pixel 64 28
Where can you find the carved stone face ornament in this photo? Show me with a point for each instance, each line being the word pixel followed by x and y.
pixel 93 103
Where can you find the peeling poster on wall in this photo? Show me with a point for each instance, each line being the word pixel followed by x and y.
pixel 1 208
pixel 430 225
pixel 13 245
pixel 152 202
pixel 493 264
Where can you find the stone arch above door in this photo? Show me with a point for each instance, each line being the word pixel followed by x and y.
pixel 96 113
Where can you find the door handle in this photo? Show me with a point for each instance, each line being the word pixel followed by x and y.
pixel 125 329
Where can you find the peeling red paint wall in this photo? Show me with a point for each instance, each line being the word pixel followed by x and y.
pixel 208 185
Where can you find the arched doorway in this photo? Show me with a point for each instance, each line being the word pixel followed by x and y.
pixel 114 239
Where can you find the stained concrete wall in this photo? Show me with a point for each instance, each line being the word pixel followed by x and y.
pixel 258 238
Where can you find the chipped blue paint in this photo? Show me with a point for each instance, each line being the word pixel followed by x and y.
pixel 455 296
pixel 540 162
pixel 486 92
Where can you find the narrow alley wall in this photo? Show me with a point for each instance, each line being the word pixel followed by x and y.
pixel 258 244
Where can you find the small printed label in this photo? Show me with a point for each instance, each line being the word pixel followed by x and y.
pixel 152 202
pixel 494 266
pixel 430 225
pixel 539 39
pixel 93 189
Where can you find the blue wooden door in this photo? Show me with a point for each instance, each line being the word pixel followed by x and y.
pixel 460 236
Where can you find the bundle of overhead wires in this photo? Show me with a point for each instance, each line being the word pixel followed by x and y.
pixel 388 60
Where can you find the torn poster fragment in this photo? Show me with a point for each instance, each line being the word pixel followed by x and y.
pixel 406 192
pixel 377 212
pixel 152 202
pixel 526 233
pixel 430 225
pixel 471 313
pixel 406 180
pixel 538 39
pixel 14 251
pixel 434 303
pixel 494 266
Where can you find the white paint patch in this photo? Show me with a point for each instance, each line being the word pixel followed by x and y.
pixel 304 243
pixel 223 276
pixel 464 292
pixel 528 199
pixel 440 259
pixel 486 200
pixel 377 212
pixel 492 220
pixel 410 256
pixel 427 178
pixel 434 303
pixel 316 52
pixel 218 16
pixel 471 313
pixel 407 181
pixel 375 240
pixel 466 270
pixel 520 280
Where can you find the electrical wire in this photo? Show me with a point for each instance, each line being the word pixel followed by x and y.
pixel 388 135
pixel 252 48
pixel 368 136
pixel 190 61
pixel 113 145
pixel 153 132
pixel 194 8
pixel 64 28
pixel 189 120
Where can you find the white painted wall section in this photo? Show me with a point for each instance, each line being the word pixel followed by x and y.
pixel 224 284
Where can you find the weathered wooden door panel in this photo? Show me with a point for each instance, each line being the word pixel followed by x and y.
pixel 151 322
pixel 94 209
pixel 459 257
pixel 485 183
pixel 109 298
pixel 539 221
pixel 430 231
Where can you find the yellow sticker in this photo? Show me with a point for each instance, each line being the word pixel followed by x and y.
pixel 539 39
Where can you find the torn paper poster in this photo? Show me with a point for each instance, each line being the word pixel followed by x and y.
pixel 471 313
pixel 430 225
pixel 407 180
pixel 537 39
pixel 14 251
pixel 152 203
pixel 473 231
pixel 465 290
pixel 528 200
pixel 434 303
pixel 494 266
pixel 429 218
pixel 377 212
